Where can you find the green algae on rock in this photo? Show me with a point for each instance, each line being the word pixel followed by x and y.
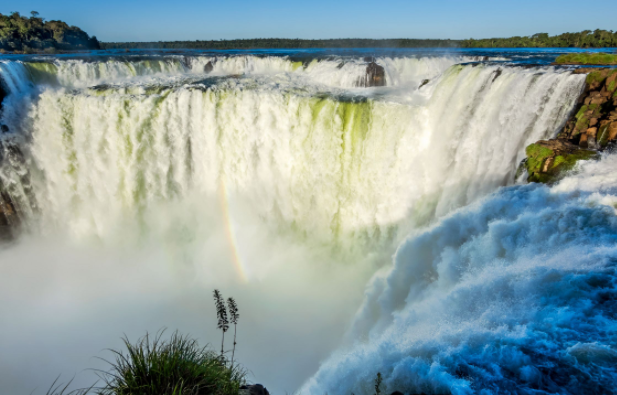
pixel 548 160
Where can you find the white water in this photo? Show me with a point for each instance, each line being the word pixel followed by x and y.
pixel 327 167
pixel 514 294
pixel 136 168
pixel 333 72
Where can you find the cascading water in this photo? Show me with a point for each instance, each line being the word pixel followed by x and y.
pixel 289 164
pixel 329 162
pixel 512 295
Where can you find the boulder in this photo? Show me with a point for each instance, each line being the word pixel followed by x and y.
pixel 208 67
pixel 255 389
pixel 375 76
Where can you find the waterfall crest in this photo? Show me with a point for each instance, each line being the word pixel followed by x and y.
pixel 334 164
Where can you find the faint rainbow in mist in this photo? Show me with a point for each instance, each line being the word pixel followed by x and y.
pixel 230 232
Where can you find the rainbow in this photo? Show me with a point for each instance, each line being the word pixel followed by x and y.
pixel 230 233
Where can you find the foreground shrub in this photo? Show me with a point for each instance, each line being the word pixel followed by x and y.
pixel 178 366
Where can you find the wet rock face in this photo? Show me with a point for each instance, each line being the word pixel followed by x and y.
pixel 594 124
pixel 12 161
pixel 9 221
pixel 208 67
pixel 591 128
pixel 3 93
pixel 375 74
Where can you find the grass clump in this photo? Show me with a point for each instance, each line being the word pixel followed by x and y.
pixel 178 366
pixel 587 58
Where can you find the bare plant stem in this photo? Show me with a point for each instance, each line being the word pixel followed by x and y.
pixel 233 351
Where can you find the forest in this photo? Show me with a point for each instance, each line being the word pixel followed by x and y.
pixel 585 39
pixel 257 43
pixel 33 34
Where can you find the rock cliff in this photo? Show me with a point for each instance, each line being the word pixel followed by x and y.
pixel 591 128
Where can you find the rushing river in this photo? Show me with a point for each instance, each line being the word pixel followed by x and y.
pixel 361 229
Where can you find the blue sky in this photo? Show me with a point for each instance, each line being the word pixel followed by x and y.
pixel 154 20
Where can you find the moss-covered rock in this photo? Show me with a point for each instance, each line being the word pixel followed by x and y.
pixel 548 160
pixel 590 125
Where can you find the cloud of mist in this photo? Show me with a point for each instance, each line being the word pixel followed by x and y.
pixel 67 299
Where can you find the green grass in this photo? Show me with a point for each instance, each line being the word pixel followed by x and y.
pixel 588 58
pixel 595 77
pixel 178 366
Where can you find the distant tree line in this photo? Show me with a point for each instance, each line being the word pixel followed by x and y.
pixel 273 43
pixel 585 39
pixel 20 33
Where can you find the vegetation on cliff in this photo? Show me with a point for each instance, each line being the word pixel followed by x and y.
pixel 585 39
pixel 587 59
pixel 178 366
pixel 591 128
pixel 20 33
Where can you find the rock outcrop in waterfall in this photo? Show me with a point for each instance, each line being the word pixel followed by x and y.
pixel 591 128
pixel 375 75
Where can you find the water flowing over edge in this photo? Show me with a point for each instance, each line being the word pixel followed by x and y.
pixel 475 303
pixel 351 170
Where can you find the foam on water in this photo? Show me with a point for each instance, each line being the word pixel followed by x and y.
pixel 339 72
pixel 514 294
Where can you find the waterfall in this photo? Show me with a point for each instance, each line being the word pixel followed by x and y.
pixel 335 165
pixel 143 181
pixel 333 71
pixel 13 77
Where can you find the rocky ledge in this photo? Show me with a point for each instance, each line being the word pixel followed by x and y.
pixel 591 128
pixel 375 74
pixel 13 161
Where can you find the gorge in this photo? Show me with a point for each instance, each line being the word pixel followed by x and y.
pixel 365 206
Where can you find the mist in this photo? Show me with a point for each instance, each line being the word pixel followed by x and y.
pixel 65 303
